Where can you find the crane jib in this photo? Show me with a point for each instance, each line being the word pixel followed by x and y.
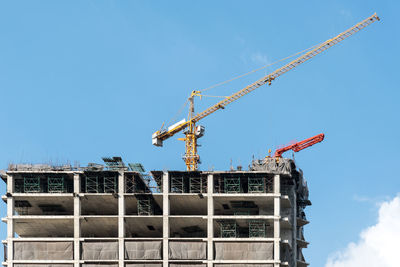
pixel 162 135
pixel 289 66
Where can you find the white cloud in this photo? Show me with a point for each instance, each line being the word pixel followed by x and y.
pixel 346 13
pixel 373 200
pixel 259 58
pixel 378 244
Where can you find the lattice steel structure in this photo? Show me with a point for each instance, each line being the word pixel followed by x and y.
pixel 110 184
pixel 256 185
pixel 197 184
pixel 55 185
pixel 269 184
pixel 229 228
pixel 32 185
pixel 145 205
pixel 257 228
pixel 232 185
pixel 136 167
pixel 177 185
pixel 130 184
pixel 92 184
pixel 114 163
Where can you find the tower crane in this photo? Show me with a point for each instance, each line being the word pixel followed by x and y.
pixel 192 131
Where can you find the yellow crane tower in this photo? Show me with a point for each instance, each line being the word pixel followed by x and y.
pixel 193 132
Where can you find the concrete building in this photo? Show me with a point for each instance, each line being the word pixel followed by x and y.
pixel 115 215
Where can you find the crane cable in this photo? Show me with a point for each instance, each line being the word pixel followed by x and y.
pixel 255 70
pixel 177 113
pixel 238 77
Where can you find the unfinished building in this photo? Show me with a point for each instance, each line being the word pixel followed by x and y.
pixel 116 215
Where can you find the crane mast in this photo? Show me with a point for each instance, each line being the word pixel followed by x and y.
pixel 191 157
pixel 193 132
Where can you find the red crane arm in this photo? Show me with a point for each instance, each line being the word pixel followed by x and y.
pixel 300 145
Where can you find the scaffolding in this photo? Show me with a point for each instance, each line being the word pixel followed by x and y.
pixel 114 163
pixel 256 185
pixel 257 228
pixel 232 185
pixel 136 167
pixel 130 185
pixel 229 228
pixel 197 185
pixel 177 185
pixel 110 184
pixel 32 185
pixel 145 205
pixel 55 185
pixel 269 184
pixel 92 184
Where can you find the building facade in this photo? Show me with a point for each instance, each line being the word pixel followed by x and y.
pixel 119 216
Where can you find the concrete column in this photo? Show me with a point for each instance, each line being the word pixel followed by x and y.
pixel 210 221
pixel 10 183
pixel 277 217
pixel 294 207
pixel 77 214
pixel 165 191
pixel 121 218
pixel 10 220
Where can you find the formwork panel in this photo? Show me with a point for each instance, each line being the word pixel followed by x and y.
pixel 244 250
pixel 43 250
pixel 42 265
pixel 242 265
pixel 187 250
pixel 143 250
pixel 97 250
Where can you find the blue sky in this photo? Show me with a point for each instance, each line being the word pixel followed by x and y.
pixel 80 80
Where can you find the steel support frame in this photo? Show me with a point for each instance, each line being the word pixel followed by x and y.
pixel 145 206
pixel 197 184
pixel 256 185
pixel 257 228
pixel 177 184
pixel 55 185
pixel 130 184
pixel 110 184
pixel 232 185
pixel 32 185
pixel 229 229
pixel 92 184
